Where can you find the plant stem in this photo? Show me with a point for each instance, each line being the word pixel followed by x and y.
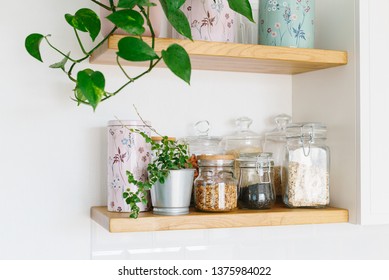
pixel 64 55
pixel 70 72
pixel 112 4
pixel 145 123
pixel 98 45
pixel 80 43
pixel 146 14
pixel 132 80
pixel 121 68
pixel 102 5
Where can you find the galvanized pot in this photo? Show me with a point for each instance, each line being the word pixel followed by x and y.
pixel 173 197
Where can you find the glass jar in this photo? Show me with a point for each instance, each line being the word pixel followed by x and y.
pixel 247 31
pixel 215 189
pixel 202 143
pixel 244 141
pixel 256 188
pixel 306 163
pixel 275 142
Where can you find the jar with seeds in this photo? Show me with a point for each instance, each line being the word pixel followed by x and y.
pixel 306 163
pixel 256 188
pixel 215 189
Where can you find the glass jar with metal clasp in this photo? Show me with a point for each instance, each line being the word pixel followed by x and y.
pixel 256 188
pixel 307 159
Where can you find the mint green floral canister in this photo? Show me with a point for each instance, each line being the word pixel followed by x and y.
pixel 288 23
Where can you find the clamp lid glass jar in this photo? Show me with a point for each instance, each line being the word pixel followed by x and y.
pixel 215 189
pixel 256 188
pixel 307 161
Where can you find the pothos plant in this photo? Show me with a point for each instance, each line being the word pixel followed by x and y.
pixel 168 155
pixel 130 16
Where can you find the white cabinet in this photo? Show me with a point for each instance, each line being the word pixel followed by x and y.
pixel 373 109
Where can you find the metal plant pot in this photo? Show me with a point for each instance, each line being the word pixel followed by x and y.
pixel 173 197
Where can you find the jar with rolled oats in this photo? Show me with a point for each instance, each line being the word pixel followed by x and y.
pixel 215 189
pixel 307 166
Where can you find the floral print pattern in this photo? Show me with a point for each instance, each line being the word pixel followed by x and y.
pixel 126 151
pixel 287 23
pixel 210 20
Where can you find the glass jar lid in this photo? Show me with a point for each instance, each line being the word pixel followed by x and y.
pixel 311 130
pixel 279 133
pixel 216 160
pixel 243 131
pixel 262 160
pixel 202 143
pixel 244 140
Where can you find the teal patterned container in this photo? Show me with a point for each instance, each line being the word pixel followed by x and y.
pixel 288 23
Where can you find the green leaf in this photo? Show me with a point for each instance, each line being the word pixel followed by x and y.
pixel 134 49
pixel 146 3
pixel 175 4
pixel 85 20
pixel 176 18
pixel 177 60
pixel 75 22
pixel 32 44
pixel 129 20
pixel 90 85
pixel 242 7
pixel 129 4
pixel 62 63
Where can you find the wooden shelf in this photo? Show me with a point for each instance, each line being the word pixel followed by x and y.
pixel 277 216
pixel 237 57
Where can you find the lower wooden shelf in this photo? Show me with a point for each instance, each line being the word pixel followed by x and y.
pixel 277 216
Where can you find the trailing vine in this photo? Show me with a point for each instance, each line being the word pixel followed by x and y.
pixel 130 16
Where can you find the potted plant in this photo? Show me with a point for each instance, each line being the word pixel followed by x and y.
pixel 130 16
pixel 170 178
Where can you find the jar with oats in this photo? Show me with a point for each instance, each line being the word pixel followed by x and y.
pixel 256 188
pixel 307 167
pixel 215 189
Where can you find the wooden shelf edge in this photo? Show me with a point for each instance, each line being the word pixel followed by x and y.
pixel 277 216
pixel 236 57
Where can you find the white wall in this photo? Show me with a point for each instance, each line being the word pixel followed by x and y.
pixel 52 156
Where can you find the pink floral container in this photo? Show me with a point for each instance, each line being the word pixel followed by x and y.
pixel 210 20
pixel 126 151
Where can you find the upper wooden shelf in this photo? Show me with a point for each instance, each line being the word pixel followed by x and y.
pixel 237 57
pixel 277 216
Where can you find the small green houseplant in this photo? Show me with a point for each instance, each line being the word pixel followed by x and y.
pixel 167 155
pixel 130 16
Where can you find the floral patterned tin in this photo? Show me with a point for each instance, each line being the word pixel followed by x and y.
pixel 210 20
pixel 288 23
pixel 126 151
